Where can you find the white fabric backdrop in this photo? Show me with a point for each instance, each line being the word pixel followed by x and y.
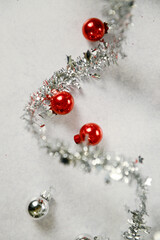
pixel 35 38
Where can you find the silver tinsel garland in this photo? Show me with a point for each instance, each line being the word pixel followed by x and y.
pixel 118 16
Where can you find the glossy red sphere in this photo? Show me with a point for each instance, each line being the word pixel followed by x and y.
pixel 90 132
pixel 62 103
pixel 93 29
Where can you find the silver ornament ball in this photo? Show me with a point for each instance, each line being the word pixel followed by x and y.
pixel 38 208
pixel 84 237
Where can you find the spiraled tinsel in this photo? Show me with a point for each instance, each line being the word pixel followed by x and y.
pixel 118 16
pixel 117 168
pixel 93 62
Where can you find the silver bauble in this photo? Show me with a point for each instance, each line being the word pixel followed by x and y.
pixel 38 208
pixel 84 237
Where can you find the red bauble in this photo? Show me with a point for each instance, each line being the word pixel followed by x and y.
pixel 90 132
pixel 62 103
pixel 93 29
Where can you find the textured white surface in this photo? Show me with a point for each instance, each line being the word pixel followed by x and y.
pixel 36 35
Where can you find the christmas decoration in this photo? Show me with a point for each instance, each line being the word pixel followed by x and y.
pixel 84 237
pixel 90 66
pixel 62 103
pixel 91 133
pixel 39 206
pixel 94 29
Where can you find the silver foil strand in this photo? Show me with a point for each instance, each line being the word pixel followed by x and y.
pixel 117 14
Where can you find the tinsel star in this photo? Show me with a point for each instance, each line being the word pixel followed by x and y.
pixel 140 159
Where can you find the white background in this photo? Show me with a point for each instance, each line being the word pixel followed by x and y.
pixel 36 36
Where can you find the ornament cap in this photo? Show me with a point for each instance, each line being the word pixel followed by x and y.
pixel 47 194
pixel 77 139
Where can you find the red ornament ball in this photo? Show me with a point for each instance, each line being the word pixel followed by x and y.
pixel 62 103
pixel 90 132
pixel 93 29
